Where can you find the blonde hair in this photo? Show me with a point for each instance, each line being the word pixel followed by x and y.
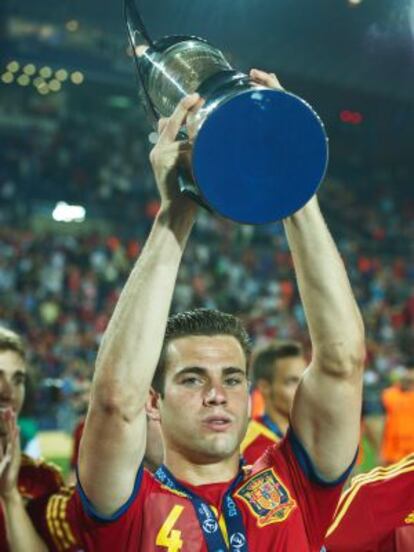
pixel 11 341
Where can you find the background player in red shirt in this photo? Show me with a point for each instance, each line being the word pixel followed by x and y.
pixel 277 371
pixel 21 478
pixel 200 395
pixel 376 513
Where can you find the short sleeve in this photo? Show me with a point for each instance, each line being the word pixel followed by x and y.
pixel 316 498
pixel 66 520
pixel 55 519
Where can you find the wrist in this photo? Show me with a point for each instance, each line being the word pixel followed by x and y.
pixel 176 218
pixel 11 497
pixel 308 210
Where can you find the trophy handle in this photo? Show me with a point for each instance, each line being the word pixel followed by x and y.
pixel 138 36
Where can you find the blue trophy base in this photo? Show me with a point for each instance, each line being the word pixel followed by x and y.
pixel 260 156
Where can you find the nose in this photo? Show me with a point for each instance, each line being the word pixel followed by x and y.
pixel 6 390
pixel 215 395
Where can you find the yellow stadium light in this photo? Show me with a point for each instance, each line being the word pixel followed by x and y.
pixel 72 26
pixel 355 2
pixel 23 80
pixel 38 81
pixel 77 77
pixel 13 67
pixel 7 77
pixel 29 69
pixel 61 75
pixel 45 72
pixel 42 87
pixel 55 85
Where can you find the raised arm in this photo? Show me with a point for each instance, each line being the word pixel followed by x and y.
pixel 114 437
pixel 327 407
pixel 21 534
pixel 326 413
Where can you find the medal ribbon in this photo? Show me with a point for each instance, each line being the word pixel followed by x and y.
pixel 207 519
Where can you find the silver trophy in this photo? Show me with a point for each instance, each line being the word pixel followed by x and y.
pixel 258 154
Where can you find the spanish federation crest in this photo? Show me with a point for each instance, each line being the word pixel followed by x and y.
pixel 267 498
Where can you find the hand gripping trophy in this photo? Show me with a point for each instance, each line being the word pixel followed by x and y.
pixel 258 154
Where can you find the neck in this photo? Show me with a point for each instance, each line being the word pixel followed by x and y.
pixel 198 472
pixel 280 419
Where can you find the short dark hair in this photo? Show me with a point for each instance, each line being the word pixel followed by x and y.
pixel 208 322
pixel 11 341
pixel 264 361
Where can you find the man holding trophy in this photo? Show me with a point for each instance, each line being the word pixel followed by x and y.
pixel 196 368
pixel 190 371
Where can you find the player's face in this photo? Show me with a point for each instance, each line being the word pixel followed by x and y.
pixel 281 391
pixel 12 380
pixel 204 411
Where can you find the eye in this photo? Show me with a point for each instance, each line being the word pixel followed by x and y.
pixel 233 381
pixel 20 379
pixel 191 381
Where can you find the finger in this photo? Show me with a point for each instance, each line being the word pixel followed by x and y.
pixel 5 458
pixel 140 50
pixel 177 119
pixel 161 124
pixel 266 79
pixel 170 152
pixel 9 419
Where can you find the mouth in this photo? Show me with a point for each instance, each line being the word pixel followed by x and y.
pixel 217 424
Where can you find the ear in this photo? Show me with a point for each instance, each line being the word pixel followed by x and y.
pixel 263 386
pixel 152 406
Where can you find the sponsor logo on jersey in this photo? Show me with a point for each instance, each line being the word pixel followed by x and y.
pixel 267 498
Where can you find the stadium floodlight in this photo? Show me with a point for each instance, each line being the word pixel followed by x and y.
pixel 72 26
pixel 61 75
pixel 354 2
pixel 77 77
pixel 38 81
pixel 13 66
pixel 45 72
pixel 23 80
pixel 63 212
pixel 55 85
pixel 7 77
pixel 29 69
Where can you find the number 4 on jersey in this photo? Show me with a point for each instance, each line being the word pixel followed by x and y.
pixel 169 537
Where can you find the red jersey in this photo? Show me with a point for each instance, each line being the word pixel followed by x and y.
pixel 284 506
pixel 258 438
pixel 373 508
pixel 36 479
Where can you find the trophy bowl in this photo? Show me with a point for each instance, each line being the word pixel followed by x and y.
pixel 258 154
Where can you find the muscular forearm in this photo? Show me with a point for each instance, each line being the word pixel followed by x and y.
pixel 335 323
pixel 21 534
pixel 132 343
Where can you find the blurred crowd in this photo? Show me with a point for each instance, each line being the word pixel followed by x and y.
pixel 59 288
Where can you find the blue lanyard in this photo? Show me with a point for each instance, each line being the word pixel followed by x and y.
pixel 206 518
pixel 270 424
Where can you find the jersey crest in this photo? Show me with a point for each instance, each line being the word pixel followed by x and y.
pixel 267 498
